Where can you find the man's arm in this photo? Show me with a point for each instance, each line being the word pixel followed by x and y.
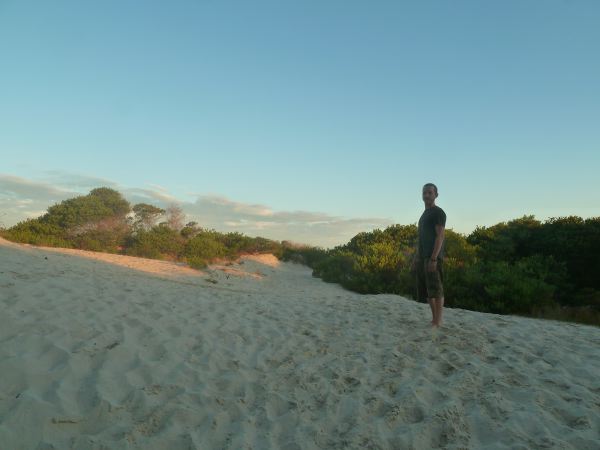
pixel 439 239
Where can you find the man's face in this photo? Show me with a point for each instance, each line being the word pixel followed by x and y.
pixel 429 194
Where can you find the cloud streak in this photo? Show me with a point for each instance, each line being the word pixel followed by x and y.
pixel 302 226
pixel 21 198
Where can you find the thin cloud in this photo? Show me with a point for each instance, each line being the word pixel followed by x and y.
pixel 309 227
pixel 140 195
pixel 76 181
pixel 157 187
pixel 17 187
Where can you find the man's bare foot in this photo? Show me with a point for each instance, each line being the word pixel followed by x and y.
pixel 436 324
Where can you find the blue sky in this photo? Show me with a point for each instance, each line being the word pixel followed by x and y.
pixel 306 120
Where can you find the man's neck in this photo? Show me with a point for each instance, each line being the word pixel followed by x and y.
pixel 429 206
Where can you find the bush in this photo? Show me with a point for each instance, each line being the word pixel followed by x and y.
pixel 205 246
pixel 309 256
pixel 95 221
pixel 32 231
pixel 100 203
pixel 196 262
pixel 512 288
pixel 107 235
pixel 493 270
pixel 160 242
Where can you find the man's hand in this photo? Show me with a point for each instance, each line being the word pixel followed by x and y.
pixel 432 266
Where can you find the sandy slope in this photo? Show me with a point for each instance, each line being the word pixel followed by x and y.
pixel 94 355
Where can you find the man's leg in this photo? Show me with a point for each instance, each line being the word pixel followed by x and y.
pixel 438 306
pixel 433 310
pixel 435 287
pixel 422 294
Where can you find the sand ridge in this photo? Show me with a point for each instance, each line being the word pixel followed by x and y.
pixel 155 266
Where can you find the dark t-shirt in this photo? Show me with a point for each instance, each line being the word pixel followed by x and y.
pixel 429 219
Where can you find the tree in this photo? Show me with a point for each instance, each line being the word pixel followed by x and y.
pixel 190 230
pixel 111 199
pixel 175 217
pixel 99 204
pixel 146 216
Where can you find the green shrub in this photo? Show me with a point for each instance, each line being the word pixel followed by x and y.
pixel 32 231
pixel 205 246
pixel 100 203
pixel 160 242
pixel 197 262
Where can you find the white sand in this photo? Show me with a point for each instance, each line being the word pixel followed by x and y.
pixel 94 355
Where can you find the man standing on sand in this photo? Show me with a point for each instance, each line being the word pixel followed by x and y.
pixel 429 255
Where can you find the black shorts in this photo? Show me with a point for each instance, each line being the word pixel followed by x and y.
pixel 429 284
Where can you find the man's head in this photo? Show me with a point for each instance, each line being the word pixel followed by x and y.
pixel 430 193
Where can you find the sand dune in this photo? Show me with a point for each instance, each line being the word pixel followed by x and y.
pixel 109 352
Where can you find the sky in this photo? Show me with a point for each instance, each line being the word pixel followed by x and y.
pixel 303 120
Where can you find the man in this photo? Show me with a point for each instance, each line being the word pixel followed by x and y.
pixel 430 253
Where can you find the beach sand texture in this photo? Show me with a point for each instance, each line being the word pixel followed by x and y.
pixel 111 352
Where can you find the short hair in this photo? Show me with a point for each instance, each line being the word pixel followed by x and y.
pixel 432 185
